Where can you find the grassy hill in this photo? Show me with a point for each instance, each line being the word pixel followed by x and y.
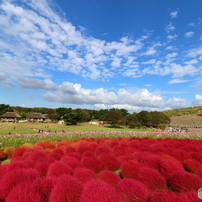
pixel 184 111
pixel 187 120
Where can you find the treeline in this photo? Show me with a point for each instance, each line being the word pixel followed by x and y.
pixel 114 117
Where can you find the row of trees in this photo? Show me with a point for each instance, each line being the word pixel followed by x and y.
pixel 113 116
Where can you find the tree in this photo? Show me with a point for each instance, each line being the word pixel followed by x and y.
pixel 144 118
pixel 53 117
pixel 5 108
pixel 72 118
pixel 113 117
pixel 61 111
pixel 159 118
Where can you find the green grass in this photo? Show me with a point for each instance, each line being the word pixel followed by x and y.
pixel 31 128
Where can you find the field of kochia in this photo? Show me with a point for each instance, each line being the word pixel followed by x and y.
pixel 109 167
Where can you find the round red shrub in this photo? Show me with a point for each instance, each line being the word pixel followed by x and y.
pixel 59 168
pixel 133 190
pixel 83 148
pixel 24 192
pixel 168 167
pixel 88 153
pixel 102 149
pixel 192 196
pixel 110 161
pixel 168 196
pixel 71 161
pixel 67 189
pixel 184 182
pixel 69 149
pixel 193 166
pixel 181 155
pixel 152 179
pixel 130 169
pixel 10 179
pixel 151 161
pixel 92 163
pixel 99 191
pixel 84 174
pixel 110 177
pixel 42 167
pixel 45 185
pixel 18 152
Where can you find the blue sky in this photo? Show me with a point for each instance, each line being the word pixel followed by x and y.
pixel 101 54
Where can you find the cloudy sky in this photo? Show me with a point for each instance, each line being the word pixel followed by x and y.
pixel 100 54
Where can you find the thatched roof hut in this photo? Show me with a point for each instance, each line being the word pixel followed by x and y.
pixel 10 116
pixel 36 117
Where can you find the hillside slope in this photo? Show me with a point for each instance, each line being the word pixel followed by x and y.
pixel 188 120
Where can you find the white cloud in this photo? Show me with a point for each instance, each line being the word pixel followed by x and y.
pixel 169 27
pixel 191 62
pixel 32 83
pixel 172 36
pixel 198 100
pixel 174 14
pixel 173 81
pixel 150 51
pixel 152 61
pixel 189 34
pixel 176 103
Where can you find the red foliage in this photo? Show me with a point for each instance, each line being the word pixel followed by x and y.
pixel 88 153
pixel 151 161
pixel 17 164
pixel 59 168
pixel 42 167
pixel 152 179
pixel 193 166
pixel 71 161
pixel 99 191
pixel 168 196
pixel 69 149
pixel 168 167
pixel 133 190
pixel 109 177
pixel 45 185
pixel 24 192
pixel 130 169
pixel 102 149
pixel 10 179
pixel 181 155
pixel 18 152
pixel 92 163
pixel 184 182
pixel 192 196
pixel 84 174
pixel 119 150
pixel 199 115
pixel 83 148
pixel 110 161
pixel 67 189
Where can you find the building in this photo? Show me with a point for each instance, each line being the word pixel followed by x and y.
pixel 10 117
pixel 38 117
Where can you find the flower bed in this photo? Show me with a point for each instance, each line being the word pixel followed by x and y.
pixel 103 170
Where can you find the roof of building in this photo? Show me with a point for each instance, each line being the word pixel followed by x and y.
pixel 10 115
pixel 36 116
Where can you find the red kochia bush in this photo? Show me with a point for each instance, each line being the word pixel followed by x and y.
pixel 151 161
pixel 84 174
pixel 169 196
pixel 14 177
pixel 152 179
pixel 130 169
pixel 42 167
pixel 168 167
pixel 19 151
pixel 193 166
pixel 92 163
pixel 59 168
pixel 102 149
pixel 133 190
pixel 71 161
pixel 109 177
pixel 192 196
pixel 25 192
pixel 45 185
pixel 83 148
pixel 109 160
pixel 184 182
pixel 99 191
pixel 67 189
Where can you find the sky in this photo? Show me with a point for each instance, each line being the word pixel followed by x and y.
pixel 101 54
